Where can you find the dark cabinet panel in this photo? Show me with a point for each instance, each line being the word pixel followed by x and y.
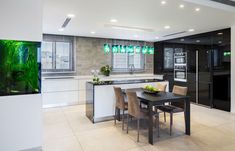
pixel 204 85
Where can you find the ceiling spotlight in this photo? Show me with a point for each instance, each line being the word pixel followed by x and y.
pixel 136 36
pixel 156 37
pixel 167 27
pixel 220 42
pixel 163 2
pixel 198 41
pixel 61 29
pixel 182 39
pixel 92 32
pixel 181 5
pixel 113 20
pixel 191 30
pixel 197 9
pixel 220 33
pixel 70 15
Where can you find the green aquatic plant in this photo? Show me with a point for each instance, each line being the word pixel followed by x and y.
pixel 19 67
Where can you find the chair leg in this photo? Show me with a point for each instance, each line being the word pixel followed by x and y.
pixel 138 129
pixel 123 119
pixel 127 123
pixel 165 117
pixel 158 126
pixel 115 116
pixel 171 122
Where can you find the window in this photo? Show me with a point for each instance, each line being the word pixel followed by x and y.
pixel 123 61
pixel 57 54
pixel 169 56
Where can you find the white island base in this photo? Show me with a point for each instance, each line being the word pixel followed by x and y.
pixel 100 99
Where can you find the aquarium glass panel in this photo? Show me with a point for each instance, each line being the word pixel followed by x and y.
pixel 19 67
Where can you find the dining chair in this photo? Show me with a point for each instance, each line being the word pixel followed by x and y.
pixel 120 104
pixel 161 87
pixel 135 111
pixel 174 107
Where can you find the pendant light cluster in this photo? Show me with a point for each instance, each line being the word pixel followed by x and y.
pixel 131 49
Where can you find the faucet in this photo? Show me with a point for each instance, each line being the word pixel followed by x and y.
pixel 131 68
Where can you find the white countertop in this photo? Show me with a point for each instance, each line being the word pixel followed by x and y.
pixel 102 77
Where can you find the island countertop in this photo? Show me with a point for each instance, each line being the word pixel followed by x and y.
pixel 115 82
pixel 100 98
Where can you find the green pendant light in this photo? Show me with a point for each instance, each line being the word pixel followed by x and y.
pixel 130 49
pixel 106 48
pixel 137 49
pixel 145 49
pixel 151 50
pixel 122 49
pixel 115 48
pixel 227 54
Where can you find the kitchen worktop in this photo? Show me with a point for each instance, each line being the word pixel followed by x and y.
pixel 113 82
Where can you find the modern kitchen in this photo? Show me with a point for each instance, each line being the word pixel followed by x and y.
pixel 106 75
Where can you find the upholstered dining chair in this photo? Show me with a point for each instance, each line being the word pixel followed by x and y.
pixel 120 104
pixel 174 107
pixel 135 111
pixel 161 87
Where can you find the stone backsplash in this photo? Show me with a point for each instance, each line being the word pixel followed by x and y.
pixel 90 54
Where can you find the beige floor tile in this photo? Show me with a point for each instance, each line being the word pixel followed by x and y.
pixel 63 144
pixel 105 139
pixel 56 131
pixel 74 108
pixel 68 129
pixel 136 149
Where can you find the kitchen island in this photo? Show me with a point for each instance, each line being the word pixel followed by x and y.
pixel 100 97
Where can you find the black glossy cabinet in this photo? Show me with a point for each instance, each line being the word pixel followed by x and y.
pixel 208 66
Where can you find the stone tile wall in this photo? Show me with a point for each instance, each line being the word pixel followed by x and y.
pixel 90 54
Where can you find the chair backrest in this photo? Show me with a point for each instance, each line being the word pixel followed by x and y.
pixel 161 87
pixel 180 91
pixel 120 101
pixel 133 104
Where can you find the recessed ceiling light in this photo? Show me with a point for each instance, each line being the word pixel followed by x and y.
pixel 92 32
pixel 197 9
pixel 220 33
pixel 220 42
pixel 61 29
pixel 70 15
pixel 163 2
pixel 198 41
pixel 136 36
pixel 113 20
pixel 156 37
pixel 191 30
pixel 182 39
pixel 181 5
pixel 167 27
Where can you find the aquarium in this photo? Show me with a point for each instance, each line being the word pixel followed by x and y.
pixel 19 67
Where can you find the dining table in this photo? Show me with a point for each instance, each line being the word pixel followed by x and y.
pixel 160 98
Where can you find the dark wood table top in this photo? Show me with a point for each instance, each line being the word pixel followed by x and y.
pixel 158 98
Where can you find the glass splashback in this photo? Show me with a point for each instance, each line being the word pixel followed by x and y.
pixel 19 67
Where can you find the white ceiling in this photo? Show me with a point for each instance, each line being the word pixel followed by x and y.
pixel 93 15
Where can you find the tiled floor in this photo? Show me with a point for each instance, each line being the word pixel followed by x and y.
pixel 68 129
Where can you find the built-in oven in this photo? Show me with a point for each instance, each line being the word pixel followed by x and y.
pixel 180 67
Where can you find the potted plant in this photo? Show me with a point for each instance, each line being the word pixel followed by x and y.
pixel 105 70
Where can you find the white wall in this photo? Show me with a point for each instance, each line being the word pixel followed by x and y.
pixel 20 126
pixel 233 69
pixel 21 20
pixel 20 116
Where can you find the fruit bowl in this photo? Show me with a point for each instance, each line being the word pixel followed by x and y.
pixel 150 89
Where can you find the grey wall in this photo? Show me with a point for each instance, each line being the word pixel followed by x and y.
pixel 90 54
